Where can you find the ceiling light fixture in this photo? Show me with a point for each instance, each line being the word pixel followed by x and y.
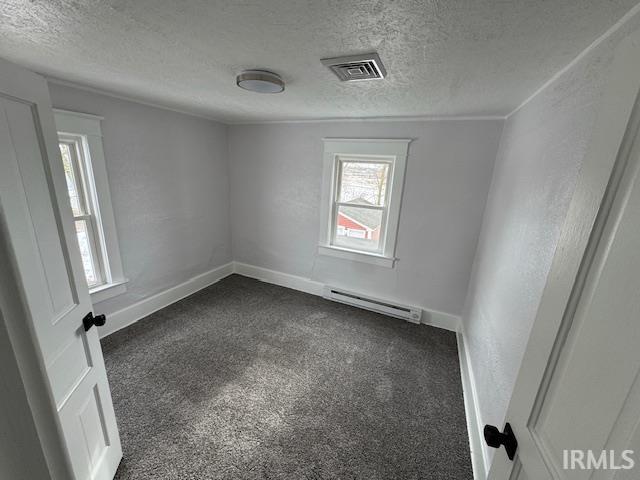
pixel 260 81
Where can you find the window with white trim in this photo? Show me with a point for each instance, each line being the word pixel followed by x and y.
pixel 81 151
pixel 82 205
pixel 361 198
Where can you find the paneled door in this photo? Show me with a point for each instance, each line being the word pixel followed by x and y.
pixel 575 410
pixel 39 225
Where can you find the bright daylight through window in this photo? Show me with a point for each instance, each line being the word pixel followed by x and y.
pixel 362 189
pixel 362 203
pixel 73 159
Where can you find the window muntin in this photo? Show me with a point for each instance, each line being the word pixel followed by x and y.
pixel 360 209
pixel 83 205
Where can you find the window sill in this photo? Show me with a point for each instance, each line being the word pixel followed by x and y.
pixel 357 256
pixel 109 290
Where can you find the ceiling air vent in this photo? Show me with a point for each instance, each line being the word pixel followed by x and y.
pixel 356 67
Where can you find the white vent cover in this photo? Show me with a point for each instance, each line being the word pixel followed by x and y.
pixel 357 67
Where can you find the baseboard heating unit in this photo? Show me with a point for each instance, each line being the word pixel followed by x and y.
pixel 405 312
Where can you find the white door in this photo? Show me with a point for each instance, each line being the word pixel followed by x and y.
pixel 38 220
pixel 575 410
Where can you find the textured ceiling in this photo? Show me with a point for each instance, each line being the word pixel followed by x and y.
pixel 444 57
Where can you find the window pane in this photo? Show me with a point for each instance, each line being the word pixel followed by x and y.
pixel 358 228
pixel 86 252
pixel 364 182
pixel 72 177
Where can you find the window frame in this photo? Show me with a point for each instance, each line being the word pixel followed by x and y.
pixel 85 132
pixel 338 150
pixel 87 204
pixel 340 160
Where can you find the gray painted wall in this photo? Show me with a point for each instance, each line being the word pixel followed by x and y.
pixel 169 181
pixel 276 174
pixel 540 155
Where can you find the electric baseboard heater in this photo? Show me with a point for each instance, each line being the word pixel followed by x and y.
pixel 405 312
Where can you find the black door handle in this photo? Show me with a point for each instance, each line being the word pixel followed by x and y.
pixel 494 439
pixel 89 321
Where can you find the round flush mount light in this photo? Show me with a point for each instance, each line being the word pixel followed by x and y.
pixel 260 81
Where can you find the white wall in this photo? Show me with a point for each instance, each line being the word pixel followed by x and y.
pixel 276 172
pixel 540 155
pixel 169 181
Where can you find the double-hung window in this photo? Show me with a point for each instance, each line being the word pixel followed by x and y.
pixel 82 205
pixel 361 197
pixel 80 142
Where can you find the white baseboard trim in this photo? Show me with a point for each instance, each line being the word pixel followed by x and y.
pixel 433 318
pixel 479 460
pixel 438 319
pixel 133 313
pixel 278 278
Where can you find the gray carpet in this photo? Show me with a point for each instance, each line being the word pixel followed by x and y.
pixel 246 380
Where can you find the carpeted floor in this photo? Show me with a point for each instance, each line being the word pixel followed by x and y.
pixel 246 380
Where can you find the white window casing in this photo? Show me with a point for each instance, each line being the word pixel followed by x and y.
pixel 85 133
pixel 339 151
